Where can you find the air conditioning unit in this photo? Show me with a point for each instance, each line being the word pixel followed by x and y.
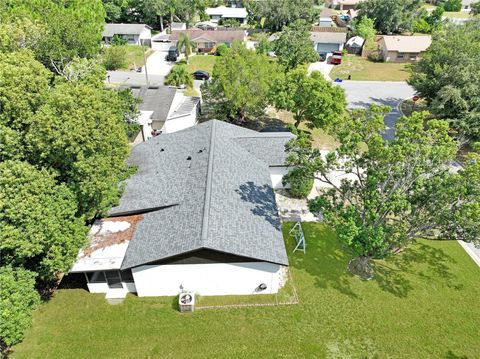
pixel 186 302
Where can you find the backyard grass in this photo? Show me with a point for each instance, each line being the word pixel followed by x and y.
pixel 201 62
pixel 363 69
pixel 422 304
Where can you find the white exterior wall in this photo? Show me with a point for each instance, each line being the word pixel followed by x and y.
pixel 103 287
pixel 276 176
pixel 145 34
pixel 97 287
pixel 180 123
pixel 207 279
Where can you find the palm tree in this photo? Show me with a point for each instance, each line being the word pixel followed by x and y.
pixel 185 44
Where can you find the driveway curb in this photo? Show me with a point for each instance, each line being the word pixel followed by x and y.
pixel 470 252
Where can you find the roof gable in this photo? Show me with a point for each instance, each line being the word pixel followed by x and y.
pixel 218 193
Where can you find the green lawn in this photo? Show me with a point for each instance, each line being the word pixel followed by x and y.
pixel 363 69
pixel 201 62
pixel 134 56
pixel 422 304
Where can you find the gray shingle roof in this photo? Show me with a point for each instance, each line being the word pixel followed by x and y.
pixel 123 29
pixel 220 199
pixel 157 99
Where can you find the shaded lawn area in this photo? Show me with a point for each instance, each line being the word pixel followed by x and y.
pixel 320 139
pixel 201 62
pixel 363 69
pixel 422 304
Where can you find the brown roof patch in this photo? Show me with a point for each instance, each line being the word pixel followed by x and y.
pixel 100 241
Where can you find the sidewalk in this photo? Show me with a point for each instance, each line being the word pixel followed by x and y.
pixel 472 251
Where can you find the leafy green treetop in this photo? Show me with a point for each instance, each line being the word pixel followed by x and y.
pixel 39 229
pixel 312 99
pixel 18 298
pixel 294 47
pixel 394 191
pixel 241 85
pixel 448 77
pixel 391 16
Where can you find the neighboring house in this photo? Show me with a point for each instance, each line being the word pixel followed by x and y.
pixel 403 48
pixel 165 109
pixel 178 26
pixel 207 40
pixel 326 39
pixel 354 45
pixel 326 17
pixel 343 4
pixel 134 34
pixel 221 13
pixel 199 214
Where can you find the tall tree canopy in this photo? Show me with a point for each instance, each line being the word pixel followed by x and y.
pixel 18 298
pixel 391 16
pixel 279 13
pixel 448 77
pixel 312 99
pixel 86 145
pixel 294 47
pixel 241 85
pixel 68 28
pixel 38 226
pixel 393 191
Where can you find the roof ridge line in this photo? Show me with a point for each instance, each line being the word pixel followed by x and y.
pixel 208 189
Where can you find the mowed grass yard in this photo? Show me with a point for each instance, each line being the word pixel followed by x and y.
pixel 363 69
pixel 201 62
pixel 422 304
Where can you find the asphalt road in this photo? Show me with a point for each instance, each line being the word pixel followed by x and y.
pixel 360 94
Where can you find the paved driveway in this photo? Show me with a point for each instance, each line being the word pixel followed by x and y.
pixel 133 78
pixel 360 94
pixel 324 67
pixel 157 65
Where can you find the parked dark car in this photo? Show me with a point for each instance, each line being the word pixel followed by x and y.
pixel 172 54
pixel 323 56
pixel 201 75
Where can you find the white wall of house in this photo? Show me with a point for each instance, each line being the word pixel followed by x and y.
pixel 179 123
pixel 146 34
pixel 276 176
pixel 208 279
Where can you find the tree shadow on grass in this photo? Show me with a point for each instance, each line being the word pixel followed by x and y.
pixel 452 355
pixel 421 261
pixel 324 259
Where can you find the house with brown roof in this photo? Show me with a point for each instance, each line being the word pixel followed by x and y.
pixel 403 48
pixel 207 40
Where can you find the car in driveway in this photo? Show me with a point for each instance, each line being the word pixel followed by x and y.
pixel 201 75
pixel 323 56
pixel 336 58
pixel 172 54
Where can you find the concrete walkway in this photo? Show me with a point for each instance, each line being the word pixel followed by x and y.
pixel 323 67
pixel 157 65
pixel 472 251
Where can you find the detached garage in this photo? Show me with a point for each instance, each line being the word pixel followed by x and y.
pixel 198 215
pixel 326 40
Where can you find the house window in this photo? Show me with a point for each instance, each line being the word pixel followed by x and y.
pixel 127 275
pixel 96 277
pixel 413 57
pixel 209 45
pixel 129 38
pixel 400 56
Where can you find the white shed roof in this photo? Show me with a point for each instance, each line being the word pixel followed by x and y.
pixel 228 12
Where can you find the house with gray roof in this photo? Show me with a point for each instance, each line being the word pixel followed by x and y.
pixel 165 109
pixel 198 215
pixel 134 34
pixel 328 39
